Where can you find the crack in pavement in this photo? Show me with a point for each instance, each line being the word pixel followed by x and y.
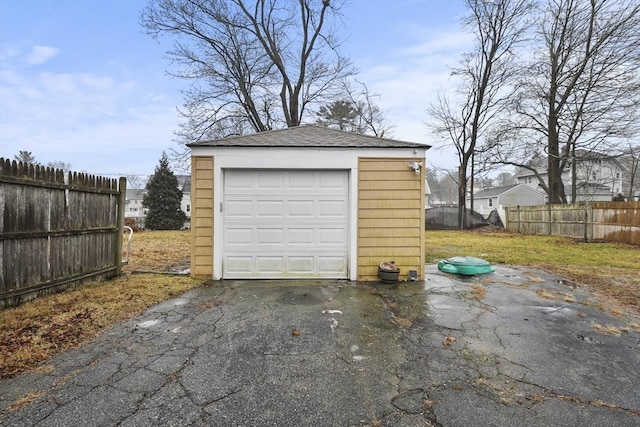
pixel 492 349
pixel 246 353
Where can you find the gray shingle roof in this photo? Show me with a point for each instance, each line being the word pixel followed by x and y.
pixel 495 191
pixel 135 193
pixel 308 136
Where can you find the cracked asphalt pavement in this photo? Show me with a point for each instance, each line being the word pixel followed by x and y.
pixel 516 347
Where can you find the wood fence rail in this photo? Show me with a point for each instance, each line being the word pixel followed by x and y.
pixel 56 229
pixel 596 221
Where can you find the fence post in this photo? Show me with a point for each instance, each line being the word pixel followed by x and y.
pixel 550 223
pixel 586 222
pixel 122 192
pixel 518 207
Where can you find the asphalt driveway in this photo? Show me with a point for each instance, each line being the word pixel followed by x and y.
pixel 516 347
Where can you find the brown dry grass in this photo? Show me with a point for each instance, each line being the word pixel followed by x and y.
pixel 159 251
pixel 39 329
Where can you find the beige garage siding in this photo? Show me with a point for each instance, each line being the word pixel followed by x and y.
pixel 390 216
pixel 202 217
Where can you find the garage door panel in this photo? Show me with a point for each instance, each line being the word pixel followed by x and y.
pixel 269 180
pixel 300 264
pixel 334 181
pixel 269 209
pixel 238 264
pixel 285 224
pixel 301 180
pixel 301 236
pixel 270 264
pixel 332 208
pixel 331 264
pixel 238 208
pixel 238 236
pixel 270 237
pixel 304 208
pixel 239 182
pixel 331 236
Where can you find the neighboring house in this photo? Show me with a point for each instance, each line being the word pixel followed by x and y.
pixel 307 202
pixel 184 183
pixel 599 177
pixel 498 198
pixel 427 194
pixel 133 203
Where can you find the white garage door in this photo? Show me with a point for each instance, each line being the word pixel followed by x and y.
pixel 285 224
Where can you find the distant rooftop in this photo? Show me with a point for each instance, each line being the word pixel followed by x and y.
pixel 494 191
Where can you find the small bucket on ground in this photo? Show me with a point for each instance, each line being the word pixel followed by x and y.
pixel 388 272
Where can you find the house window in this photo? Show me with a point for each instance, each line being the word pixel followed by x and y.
pixel 490 203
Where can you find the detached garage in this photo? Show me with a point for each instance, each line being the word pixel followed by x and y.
pixel 306 202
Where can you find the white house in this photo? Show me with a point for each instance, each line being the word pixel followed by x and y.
pixel 133 203
pixel 599 177
pixel 498 198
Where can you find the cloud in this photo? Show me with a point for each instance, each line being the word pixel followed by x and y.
pixel 410 78
pixel 41 54
pixel 103 122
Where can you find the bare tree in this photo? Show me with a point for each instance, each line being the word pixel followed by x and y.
pixel 58 164
pixel 631 160
pixel 253 64
pixel 136 181
pixel 356 112
pixel 499 27
pixel 370 118
pixel 581 93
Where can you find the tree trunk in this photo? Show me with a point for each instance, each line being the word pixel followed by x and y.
pixel 556 188
pixel 462 192
pixel 574 176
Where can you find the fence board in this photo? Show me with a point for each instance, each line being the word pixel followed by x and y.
pixel 602 221
pixel 55 230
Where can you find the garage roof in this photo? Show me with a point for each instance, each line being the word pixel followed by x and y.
pixel 308 136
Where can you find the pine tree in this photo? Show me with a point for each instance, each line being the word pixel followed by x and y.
pixel 163 199
pixel 339 115
pixel 26 157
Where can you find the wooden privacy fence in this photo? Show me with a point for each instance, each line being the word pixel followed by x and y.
pixel 56 230
pixel 602 221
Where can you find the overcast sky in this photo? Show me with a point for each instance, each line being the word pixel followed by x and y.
pixel 82 84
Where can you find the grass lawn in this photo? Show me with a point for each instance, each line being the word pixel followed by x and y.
pixel 37 330
pixel 610 271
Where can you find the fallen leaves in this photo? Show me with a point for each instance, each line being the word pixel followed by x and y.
pixel 449 340
pixel 478 292
pixel 607 329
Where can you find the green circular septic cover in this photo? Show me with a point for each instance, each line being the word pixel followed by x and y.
pixel 465 265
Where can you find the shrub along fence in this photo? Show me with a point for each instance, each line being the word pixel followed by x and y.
pixel 600 221
pixel 56 230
